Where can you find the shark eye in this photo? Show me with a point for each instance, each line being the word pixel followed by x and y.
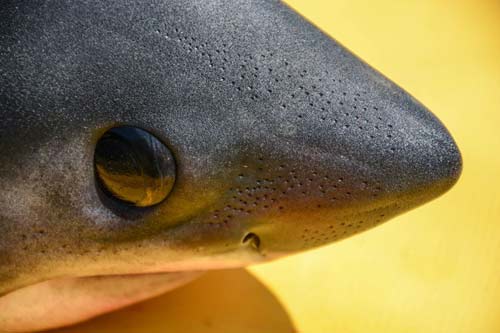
pixel 134 167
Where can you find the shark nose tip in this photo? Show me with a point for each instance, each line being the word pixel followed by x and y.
pixel 429 159
pixel 441 167
pixel 446 162
pixel 451 163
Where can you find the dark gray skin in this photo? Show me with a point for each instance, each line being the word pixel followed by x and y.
pixel 276 130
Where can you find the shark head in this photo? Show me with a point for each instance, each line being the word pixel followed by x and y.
pixel 148 136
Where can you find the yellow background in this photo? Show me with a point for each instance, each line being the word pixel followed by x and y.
pixel 435 269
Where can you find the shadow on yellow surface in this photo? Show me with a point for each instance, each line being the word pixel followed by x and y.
pixel 219 301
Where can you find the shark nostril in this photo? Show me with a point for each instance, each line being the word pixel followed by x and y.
pixel 252 239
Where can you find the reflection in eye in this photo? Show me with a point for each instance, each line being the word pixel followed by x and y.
pixel 134 167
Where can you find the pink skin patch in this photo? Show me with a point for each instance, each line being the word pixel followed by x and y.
pixel 67 301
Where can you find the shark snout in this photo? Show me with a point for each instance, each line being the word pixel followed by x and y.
pixel 352 170
pixel 422 159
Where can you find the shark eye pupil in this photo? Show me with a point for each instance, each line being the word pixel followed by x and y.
pixel 134 167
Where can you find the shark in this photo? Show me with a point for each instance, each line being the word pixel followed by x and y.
pixel 143 142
